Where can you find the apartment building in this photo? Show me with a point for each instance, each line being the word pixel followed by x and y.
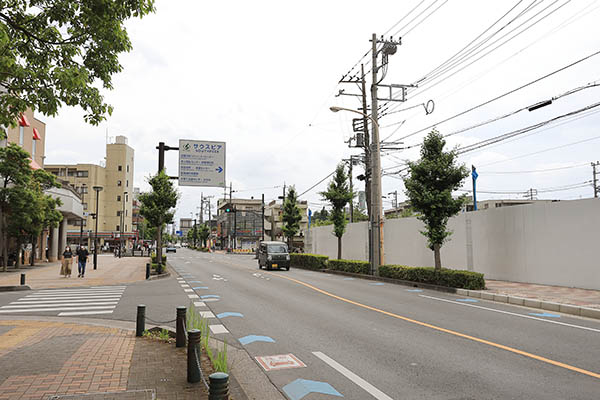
pixel 115 200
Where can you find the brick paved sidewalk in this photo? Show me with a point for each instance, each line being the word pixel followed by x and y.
pixel 55 360
pixel 111 271
pixel 557 294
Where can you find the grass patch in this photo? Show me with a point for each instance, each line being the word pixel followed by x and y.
pixel 217 358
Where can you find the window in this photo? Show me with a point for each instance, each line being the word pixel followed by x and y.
pixel 127 167
pixel 82 174
pixel 118 228
pixel 127 183
pixel 21 135
pixel 125 228
pixel 118 198
pixel 84 190
pixel 118 183
pixel 84 206
pixel 33 143
pixel 118 213
pixel 126 212
pixel 119 168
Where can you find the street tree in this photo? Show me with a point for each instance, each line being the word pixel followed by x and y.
pixel 58 52
pixel 291 216
pixel 157 207
pixel 203 233
pixel 429 186
pixel 338 194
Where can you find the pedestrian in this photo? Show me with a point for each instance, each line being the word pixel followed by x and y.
pixel 66 262
pixel 82 257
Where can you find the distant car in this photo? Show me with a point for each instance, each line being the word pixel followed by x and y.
pixel 171 248
pixel 177 245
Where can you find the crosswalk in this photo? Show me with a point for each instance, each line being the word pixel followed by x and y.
pixel 68 302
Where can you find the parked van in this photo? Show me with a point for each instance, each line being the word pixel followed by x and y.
pixel 273 255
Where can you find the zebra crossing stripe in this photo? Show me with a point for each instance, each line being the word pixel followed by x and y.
pixel 68 302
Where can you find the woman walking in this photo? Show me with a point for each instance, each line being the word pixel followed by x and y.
pixel 66 262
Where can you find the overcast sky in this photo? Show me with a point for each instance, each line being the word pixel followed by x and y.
pixel 262 75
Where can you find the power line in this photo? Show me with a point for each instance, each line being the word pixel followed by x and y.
pixel 517 132
pixel 533 171
pixel 316 184
pixel 543 190
pixel 503 95
pixel 543 151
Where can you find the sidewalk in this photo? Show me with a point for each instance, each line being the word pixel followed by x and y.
pixel 56 360
pixel 111 271
pixel 556 294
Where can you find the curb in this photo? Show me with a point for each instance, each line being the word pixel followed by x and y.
pixel 14 288
pixel 532 303
pixel 161 276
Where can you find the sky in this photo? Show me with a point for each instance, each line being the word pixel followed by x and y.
pixel 262 75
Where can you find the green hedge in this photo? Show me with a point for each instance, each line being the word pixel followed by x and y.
pixel 354 266
pixel 153 258
pixel 444 277
pixel 308 261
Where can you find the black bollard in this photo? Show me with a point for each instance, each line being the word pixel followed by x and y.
pixel 140 325
pixel 22 279
pixel 180 327
pixel 218 386
pixel 193 353
pixel 147 270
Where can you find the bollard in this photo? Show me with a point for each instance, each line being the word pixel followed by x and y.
pixel 180 327
pixel 218 386
pixel 193 363
pixel 147 270
pixel 22 279
pixel 140 325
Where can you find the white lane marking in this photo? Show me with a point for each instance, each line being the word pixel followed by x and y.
pixel 62 305
pixel 199 304
pixel 372 390
pixel 207 314
pixel 185 285
pixel 511 313
pixel 193 296
pixel 47 293
pixel 109 287
pixel 58 302
pixel 215 329
pixel 66 314
pixel 188 290
pixel 67 297
pixel 3 311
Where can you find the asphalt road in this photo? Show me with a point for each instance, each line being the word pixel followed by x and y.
pixel 367 340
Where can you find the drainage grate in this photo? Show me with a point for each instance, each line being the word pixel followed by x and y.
pixel 145 394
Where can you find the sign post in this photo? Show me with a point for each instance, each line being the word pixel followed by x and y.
pixel 201 163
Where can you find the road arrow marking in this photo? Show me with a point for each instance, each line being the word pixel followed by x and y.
pixel 545 315
pixel 301 387
pixel 210 296
pixel 255 338
pixel 229 314
pixel 220 169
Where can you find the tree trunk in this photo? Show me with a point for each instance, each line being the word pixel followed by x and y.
pixel 339 248
pixel 18 260
pixel 33 244
pixel 436 256
pixel 2 252
pixel 159 248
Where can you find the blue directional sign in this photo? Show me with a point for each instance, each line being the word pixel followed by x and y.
pixel 230 314
pixel 301 387
pixel 255 338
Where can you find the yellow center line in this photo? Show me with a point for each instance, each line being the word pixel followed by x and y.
pixel 449 331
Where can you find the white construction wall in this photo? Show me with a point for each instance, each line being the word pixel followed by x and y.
pixel 547 243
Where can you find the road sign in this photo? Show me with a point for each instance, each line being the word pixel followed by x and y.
pixel 179 233
pixel 281 361
pixel 201 163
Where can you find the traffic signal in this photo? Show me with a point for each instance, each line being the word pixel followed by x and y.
pixel 228 210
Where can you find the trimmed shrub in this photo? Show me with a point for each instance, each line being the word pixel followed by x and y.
pixel 445 277
pixel 308 261
pixel 354 266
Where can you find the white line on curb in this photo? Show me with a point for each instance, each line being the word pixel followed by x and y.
pixel 511 313
pixel 372 390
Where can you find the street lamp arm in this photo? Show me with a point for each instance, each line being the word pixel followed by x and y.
pixel 336 109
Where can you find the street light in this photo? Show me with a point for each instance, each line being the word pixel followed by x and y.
pixel 376 221
pixel 98 189
pixel 122 225
pixel 83 186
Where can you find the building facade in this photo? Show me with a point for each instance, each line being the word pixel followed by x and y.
pixel 274 223
pixel 115 200
pixel 239 223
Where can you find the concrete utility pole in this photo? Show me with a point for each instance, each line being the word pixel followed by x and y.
pixel 263 216
pixel 596 188
pixel 351 191
pixel 395 202
pixel 376 221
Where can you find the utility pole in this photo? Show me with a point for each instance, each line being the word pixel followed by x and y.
pixel 395 202
pixel 531 194
pixel 201 207
pixel 375 220
pixel 263 216
pixel 351 191
pixel 596 188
